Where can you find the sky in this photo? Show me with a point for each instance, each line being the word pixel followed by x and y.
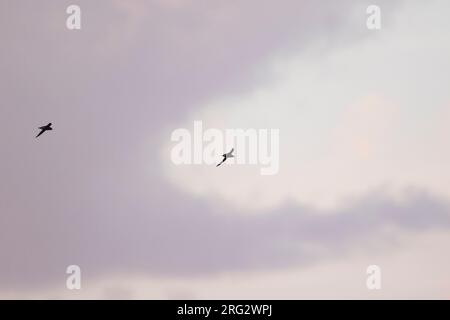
pixel 363 179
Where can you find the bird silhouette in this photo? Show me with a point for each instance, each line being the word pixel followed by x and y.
pixel 226 156
pixel 45 128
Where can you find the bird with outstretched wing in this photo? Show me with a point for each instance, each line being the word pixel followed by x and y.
pixel 45 128
pixel 226 156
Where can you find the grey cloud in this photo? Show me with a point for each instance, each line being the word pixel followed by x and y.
pixel 173 235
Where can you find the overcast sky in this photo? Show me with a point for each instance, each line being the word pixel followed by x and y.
pixel 364 153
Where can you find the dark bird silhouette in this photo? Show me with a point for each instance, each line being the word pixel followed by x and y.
pixel 45 128
pixel 226 156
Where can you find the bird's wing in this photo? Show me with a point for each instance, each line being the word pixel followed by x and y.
pixel 42 131
pixel 224 158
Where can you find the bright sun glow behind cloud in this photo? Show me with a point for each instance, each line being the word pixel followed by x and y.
pixel 358 118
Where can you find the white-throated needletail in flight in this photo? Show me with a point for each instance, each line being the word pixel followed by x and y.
pixel 45 128
pixel 226 156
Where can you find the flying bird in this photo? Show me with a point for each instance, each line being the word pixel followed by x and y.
pixel 226 156
pixel 45 128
